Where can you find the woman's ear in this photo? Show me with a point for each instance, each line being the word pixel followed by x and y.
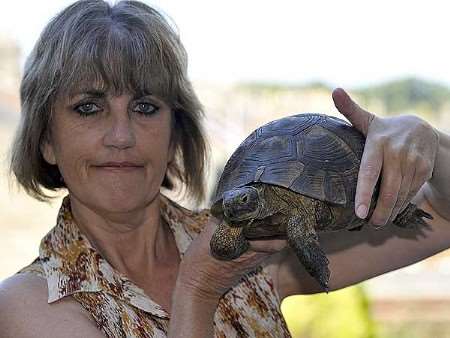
pixel 47 152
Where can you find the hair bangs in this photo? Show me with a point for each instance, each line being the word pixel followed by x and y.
pixel 117 61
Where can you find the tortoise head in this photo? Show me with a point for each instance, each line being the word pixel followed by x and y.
pixel 241 204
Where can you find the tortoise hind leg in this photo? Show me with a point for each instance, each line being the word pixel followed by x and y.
pixel 228 243
pixel 304 241
pixel 412 217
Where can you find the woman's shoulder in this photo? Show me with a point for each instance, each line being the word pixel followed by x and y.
pixel 25 312
pixel 35 268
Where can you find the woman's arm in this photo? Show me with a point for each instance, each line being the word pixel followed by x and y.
pixel 24 312
pixel 413 160
pixel 437 192
pixel 192 315
pixel 202 280
pixel 356 256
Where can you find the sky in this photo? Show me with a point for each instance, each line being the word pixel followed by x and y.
pixel 348 43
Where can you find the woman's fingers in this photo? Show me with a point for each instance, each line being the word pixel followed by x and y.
pixel 390 186
pixel 261 248
pixel 404 195
pixel 268 245
pixel 402 148
pixel 423 170
pixel 409 186
pixel 369 172
pixel 372 159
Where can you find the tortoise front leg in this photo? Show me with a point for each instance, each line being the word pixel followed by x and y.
pixel 304 241
pixel 228 243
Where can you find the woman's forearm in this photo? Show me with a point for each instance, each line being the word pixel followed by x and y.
pixel 191 314
pixel 438 192
pixel 202 281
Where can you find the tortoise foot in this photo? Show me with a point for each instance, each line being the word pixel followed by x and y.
pixel 228 243
pixel 412 217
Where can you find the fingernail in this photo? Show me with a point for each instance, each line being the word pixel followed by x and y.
pixel 377 223
pixel 361 212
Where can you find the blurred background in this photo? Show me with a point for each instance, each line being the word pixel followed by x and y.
pixel 252 62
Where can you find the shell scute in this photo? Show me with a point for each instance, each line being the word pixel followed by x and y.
pixel 284 174
pixel 290 125
pixel 311 154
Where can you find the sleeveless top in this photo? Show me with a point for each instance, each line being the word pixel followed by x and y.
pixel 72 267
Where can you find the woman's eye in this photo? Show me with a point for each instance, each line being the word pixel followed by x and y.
pixel 146 108
pixel 86 109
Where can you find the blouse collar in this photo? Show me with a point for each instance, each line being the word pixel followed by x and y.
pixel 72 264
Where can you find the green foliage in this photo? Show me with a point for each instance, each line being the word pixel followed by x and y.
pixel 407 95
pixel 339 314
pixel 273 87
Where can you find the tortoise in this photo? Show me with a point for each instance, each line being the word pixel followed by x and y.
pixel 293 178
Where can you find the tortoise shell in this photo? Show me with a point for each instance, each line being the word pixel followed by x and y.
pixel 312 154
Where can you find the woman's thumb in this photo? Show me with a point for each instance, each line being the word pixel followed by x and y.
pixel 357 116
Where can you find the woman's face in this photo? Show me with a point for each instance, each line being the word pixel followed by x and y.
pixel 112 151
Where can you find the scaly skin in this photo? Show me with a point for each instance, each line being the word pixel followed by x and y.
pixel 297 217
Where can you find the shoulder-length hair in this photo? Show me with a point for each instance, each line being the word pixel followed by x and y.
pixel 128 46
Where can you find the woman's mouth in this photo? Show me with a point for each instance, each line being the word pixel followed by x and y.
pixel 119 166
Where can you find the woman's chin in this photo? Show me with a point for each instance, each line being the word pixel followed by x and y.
pixel 125 202
pixel 116 196
pixel 117 201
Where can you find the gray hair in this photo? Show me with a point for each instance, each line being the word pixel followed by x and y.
pixel 128 46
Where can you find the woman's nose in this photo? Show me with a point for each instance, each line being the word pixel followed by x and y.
pixel 120 133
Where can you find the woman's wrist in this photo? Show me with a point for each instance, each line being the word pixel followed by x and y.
pixel 441 174
pixel 438 193
pixel 192 313
pixel 197 285
pixel 193 293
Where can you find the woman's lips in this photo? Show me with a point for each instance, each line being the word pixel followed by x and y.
pixel 119 166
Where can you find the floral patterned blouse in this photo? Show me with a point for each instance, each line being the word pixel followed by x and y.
pixel 72 267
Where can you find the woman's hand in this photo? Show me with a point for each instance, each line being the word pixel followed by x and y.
pixel 202 280
pixel 211 278
pixel 401 149
pixel 406 152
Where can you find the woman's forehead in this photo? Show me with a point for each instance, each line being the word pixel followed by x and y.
pixel 118 65
pixel 101 91
pixel 97 88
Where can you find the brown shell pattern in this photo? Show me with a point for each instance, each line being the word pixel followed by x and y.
pixel 312 154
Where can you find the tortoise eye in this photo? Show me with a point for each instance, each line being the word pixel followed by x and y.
pixel 245 199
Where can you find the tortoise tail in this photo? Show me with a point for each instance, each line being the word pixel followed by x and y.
pixel 412 217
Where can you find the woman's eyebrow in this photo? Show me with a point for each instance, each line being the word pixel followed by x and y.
pixel 98 93
pixel 141 93
pixel 89 92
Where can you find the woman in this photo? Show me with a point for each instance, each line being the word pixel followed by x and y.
pixel 109 115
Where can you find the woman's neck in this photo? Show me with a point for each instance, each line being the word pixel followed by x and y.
pixel 135 243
